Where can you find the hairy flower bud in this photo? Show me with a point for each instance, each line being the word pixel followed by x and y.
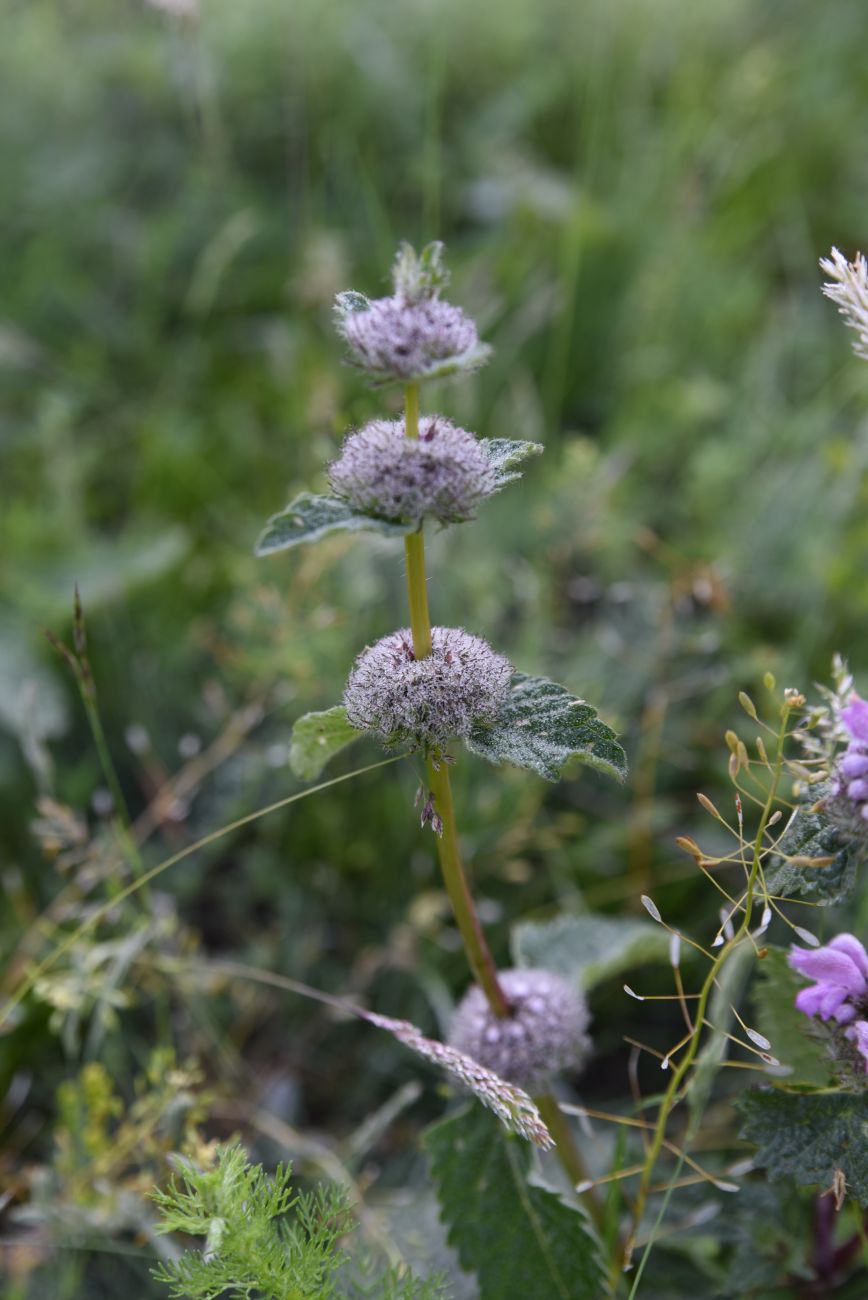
pixel 413 334
pixel 544 1034
pixel 425 702
pixel 443 474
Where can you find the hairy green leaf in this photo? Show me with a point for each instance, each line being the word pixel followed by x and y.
pixel 808 1136
pixel 542 727
pixel 588 948
pixel 505 454
pixel 519 1239
pixel 308 518
pixel 316 738
pixel 812 835
pixel 787 1029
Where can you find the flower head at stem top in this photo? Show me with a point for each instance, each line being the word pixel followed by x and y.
pixel 413 334
pixel 840 989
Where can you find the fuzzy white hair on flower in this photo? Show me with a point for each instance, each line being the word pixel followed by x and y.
pixel 426 702
pixel 848 289
pixel 442 474
pixel 544 1033
pixel 413 334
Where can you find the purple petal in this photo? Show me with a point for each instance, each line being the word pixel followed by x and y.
pixel 810 1000
pixel 831 1000
pixel 829 966
pixel 858 790
pixel 853 764
pixel 845 1013
pixel 855 717
pixel 849 944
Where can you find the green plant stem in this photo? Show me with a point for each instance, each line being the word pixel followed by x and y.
pixel 458 889
pixel 414 548
pixel 449 851
pixel 448 848
pixel 568 1152
pixel 672 1097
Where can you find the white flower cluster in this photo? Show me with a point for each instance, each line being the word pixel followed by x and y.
pixel 544 1034
pixel 426 702
pixel 443 474
pixel 848 289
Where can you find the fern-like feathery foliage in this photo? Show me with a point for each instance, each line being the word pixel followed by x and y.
pixel 263 1239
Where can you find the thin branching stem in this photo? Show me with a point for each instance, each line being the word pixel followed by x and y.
pixel 673 1093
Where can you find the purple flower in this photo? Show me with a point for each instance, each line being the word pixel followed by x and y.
pixel 840 990
pixel 413 334
pixel 425 702
pixel 444 473
pixel 851 785
pixel 544 1033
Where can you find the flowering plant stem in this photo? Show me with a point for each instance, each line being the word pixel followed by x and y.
pixel 673 1093
pixel 448 849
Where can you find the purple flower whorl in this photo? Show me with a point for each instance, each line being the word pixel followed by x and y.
pixel 545 1033
pixel 840 990
pixel 851 791
pixel 413 334
pixel 426 702
pixel 442 474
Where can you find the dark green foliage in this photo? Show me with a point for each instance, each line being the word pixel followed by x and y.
pixel 309 518
pixel 588 948
pixel 518 1238
pixel 789 1031
pixel 542 728
pixel 814 835
pixel 806 1138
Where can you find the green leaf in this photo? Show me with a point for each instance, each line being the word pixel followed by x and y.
pixel 519 1239
pixel 812 835
pixel 787 1029
pixel 504 454
pixel 316 738
pixel 588 948
pixel 542 727
pixel 308 518
pixel 806 1137
pixel 726 996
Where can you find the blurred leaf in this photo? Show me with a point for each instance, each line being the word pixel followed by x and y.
pixel 31 702
pixel 316 738
pixel 519 1239
pixel 727 994
pixel 308 518
pixel 812 835
pixel 784 1026
pixel 588 948
pixel 542 727
pixel 808 1137
pixel 504 454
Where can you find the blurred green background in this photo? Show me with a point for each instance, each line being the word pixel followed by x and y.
pixel 634 196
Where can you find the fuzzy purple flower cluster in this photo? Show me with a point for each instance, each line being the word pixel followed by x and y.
pixel 426 702
pixel 413 334
pixel 852 770
pixel 443 474
pixel 544 1033
pixel 840 991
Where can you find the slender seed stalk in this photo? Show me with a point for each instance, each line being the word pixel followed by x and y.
pixel 672 1095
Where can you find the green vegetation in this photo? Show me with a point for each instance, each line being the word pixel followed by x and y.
pixel 634 197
